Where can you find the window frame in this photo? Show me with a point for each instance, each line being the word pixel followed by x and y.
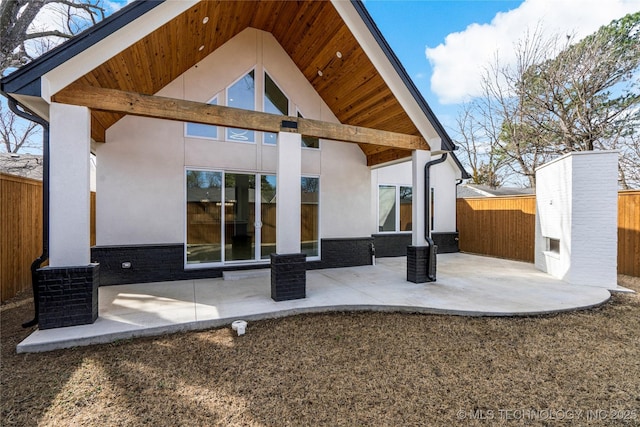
pixel 255 104
pixel 218 128
pixel 265 73
pixel 397 208
pixel 319 256
pixel 302 116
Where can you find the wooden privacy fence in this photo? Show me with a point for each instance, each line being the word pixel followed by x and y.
pixel 629 233
pixel 505 227
pixel 498 226
pixel 21 231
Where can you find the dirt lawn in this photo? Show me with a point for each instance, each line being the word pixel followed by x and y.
pixel 579 368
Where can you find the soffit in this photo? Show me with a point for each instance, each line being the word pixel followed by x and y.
pixel 311 32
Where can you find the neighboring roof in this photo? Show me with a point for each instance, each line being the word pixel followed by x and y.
pixel 314 32
pixel 24 165
pixel 466 191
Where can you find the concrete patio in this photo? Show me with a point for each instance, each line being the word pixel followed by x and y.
pixel 467 285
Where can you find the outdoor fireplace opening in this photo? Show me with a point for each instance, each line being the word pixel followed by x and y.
pixel 553 246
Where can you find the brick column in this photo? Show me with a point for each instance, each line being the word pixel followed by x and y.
pixel 68 296
pixel 288 265
pixel 288 277
pixel 421 264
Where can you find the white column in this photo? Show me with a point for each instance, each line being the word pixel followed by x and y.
pixel 69 209
pixel 288 172
pixel 418 159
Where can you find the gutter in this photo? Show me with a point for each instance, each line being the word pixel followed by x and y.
pixel 37 263
pixel 427 195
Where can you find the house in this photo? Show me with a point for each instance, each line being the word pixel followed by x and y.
pixel 31 165
pixel 232 135
pixel 24 165
pixel 467 191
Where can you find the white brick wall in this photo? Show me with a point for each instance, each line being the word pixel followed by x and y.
pixel 577 203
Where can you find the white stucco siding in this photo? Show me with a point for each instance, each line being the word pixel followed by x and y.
pixel 344 191
pixel 139 189
pixel 443 179
pixel 141 167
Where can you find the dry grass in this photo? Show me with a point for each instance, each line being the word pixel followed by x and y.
pixel 340 369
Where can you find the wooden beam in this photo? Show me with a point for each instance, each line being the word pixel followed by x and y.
pixel 137 104
pixel 98 132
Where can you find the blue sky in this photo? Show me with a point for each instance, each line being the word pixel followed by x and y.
pixel 444 44
pixel 411 26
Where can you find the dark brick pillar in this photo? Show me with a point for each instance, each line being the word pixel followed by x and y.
pixel 421 264
pixel 288 277
pixel 67 296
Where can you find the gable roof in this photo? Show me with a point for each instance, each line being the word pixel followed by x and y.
pixel 314 34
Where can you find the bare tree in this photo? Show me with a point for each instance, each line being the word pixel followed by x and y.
pixel 15 136
pixel 561 96
pixel 25 36
pixel 22 38
pixel 478 142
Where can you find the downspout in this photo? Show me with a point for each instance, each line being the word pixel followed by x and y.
pixel 427 194
pixel 13 106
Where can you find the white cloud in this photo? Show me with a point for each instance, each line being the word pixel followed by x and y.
pixel 459 61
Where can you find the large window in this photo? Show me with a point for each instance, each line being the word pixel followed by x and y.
pixel 230 217
pixel 275 102
pixel 394 208
pixel 242 94
pixel 309 223
pixel 204 217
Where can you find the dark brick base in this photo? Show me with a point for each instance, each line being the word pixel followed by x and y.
pixel 446 242
pixel 344 252
pixel 165 262
pixel 421 264
pixel 288 277
pixel 67 296
pixel 392 244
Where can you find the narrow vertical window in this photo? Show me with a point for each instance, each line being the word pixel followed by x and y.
pixel 309 224
pixel 275 102
pixel 406 208
pixel 268 204
pixel 387 208
pixel 242 94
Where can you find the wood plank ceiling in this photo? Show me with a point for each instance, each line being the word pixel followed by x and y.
pixel 311 32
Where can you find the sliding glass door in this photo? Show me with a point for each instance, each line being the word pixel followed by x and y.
pixel 240 229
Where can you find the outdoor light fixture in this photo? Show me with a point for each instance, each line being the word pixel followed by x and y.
pixel 205 19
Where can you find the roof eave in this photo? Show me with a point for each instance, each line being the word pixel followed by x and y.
pixel 26 79
pixel 447 143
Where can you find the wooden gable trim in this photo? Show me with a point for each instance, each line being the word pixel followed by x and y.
pixel 117 101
